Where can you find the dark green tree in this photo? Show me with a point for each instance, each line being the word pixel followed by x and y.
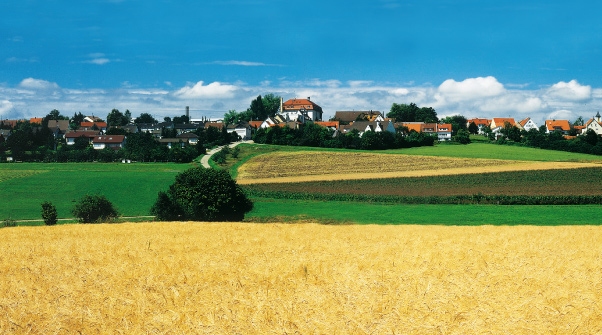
pixel 462 137
pixel 49 214
pixel 271 104
pixel 117 119
pixel 94 209
pixel 201 194
pixel 181 119
pixel 257 109
pixel 591 137
pixel 473 128
pixel 145 118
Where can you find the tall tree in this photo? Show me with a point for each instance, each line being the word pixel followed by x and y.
pixel 145 118
pixel 271 104
pixel 258 109
pixel 116 118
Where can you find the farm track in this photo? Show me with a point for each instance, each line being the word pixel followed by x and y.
pixel 283 167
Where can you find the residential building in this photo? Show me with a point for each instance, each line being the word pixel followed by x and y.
pixel 442 130
pixel 346 117
pixel 293 109
pixel 528 124
pixel 114 142
pixel 71 136
pixel 242 129
pixel 593 124
pixel 480 123
pixel 364 126
pixel 562 126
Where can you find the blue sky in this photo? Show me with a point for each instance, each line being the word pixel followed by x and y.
pixel 475 58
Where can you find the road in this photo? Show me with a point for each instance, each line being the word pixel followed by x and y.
pixel 205 159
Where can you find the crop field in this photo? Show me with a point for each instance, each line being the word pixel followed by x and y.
pixel 285 167
pixel 236 278
pixel 534 182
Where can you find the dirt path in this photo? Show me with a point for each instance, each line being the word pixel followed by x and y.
pixel 519 166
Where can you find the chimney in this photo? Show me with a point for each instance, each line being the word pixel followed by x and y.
pixel 188 112
pixel 309 98
pixel 280 105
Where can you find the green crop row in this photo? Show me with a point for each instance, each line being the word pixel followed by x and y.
pixel 434 200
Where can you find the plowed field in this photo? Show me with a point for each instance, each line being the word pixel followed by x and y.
pixel 234 278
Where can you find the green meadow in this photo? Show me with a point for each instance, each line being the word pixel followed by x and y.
pixel 133 189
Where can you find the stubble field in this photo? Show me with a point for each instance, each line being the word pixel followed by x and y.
pixel 236 278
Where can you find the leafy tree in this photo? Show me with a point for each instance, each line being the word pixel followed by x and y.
pixel 257 109
pixel 271 104
pixel 201 194
pixel 94 209
pixel 49 213
pixel 473 128
pixel 579 121
pixel 77 118
pixel 145 118
pixel 591 137
pixel 167 119
pixel 462 137
pixel 181 119
pixel 232 117
pixel 412 113
pixel 116 118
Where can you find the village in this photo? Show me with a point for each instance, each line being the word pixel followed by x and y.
pixel 292 113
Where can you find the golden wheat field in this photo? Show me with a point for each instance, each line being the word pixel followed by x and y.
pixel 284 167
pixel 238 278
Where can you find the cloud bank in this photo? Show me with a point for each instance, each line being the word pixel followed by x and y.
pixel 483 97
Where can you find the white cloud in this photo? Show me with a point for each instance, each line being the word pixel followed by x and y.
pixel 241 63
pixel 5 106
pixel 37 84
pixel 562 114
pixel 98 61
pixel 470 89
pixel 483 97
pixel 572 91
pixel 212 90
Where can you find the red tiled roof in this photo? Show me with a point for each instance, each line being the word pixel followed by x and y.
pixel 108 139
pixel 37 120
pixel 334 124
pixel 558 124
pixel 479 122
pixel 255 124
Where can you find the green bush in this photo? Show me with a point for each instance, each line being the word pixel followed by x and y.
pixel 49 213
pixel 200 194
pixel 94 209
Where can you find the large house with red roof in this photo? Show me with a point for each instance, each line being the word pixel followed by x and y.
pixel 562 126
pixel 304 109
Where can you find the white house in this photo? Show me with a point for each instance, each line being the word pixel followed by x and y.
pixel 528 124
pixel 593 124
pixel 114 142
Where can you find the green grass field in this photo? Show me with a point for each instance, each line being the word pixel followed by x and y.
pixel 133 189
pixel 276 210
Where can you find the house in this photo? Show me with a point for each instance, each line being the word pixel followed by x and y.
pixel 58 127
pixel 114 142
pixel 99 125
pixel 364 126
pixel 593 124
pixel 243 129
pixel 498 123
pixel 36 120
pixel 528 124
pixel 218 125
pixel 443 131
pixel 182 128
pixel 191 138
pixel 562 126
pixel 293 109
pixel 92 119
pixel 5 133
pixel 346 117
pixel 71 136
pixel 4 124
pixel 333 125
pixel 480 123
